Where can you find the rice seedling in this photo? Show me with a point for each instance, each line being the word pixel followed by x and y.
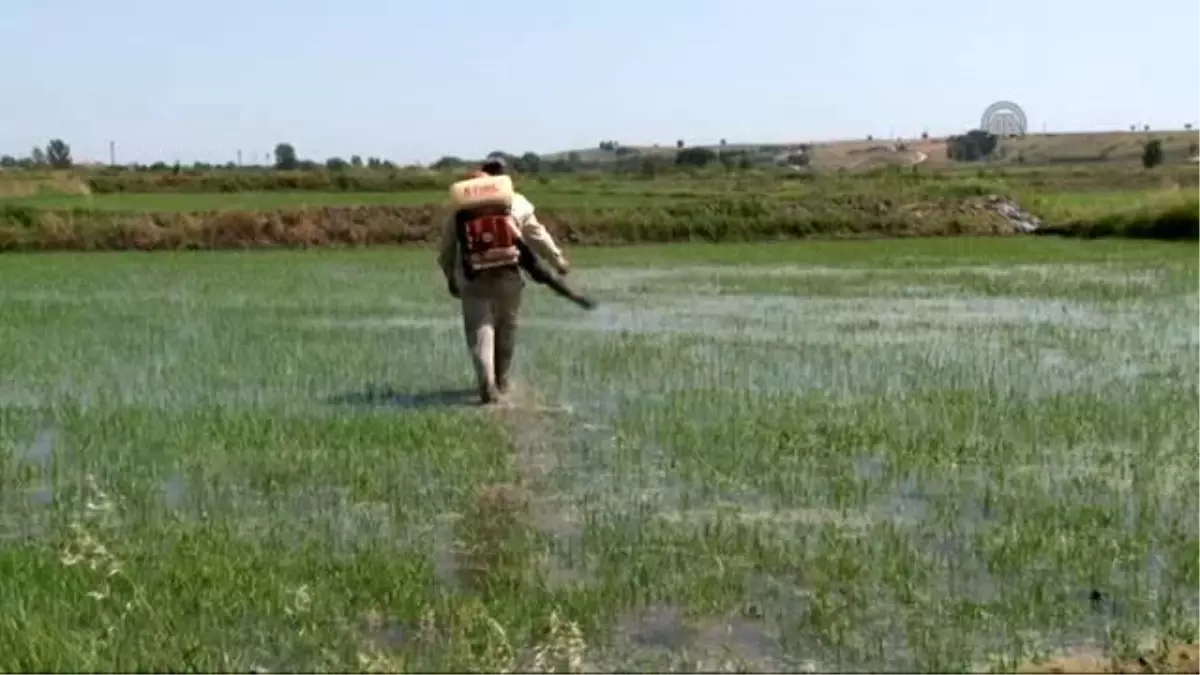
pixel 925 455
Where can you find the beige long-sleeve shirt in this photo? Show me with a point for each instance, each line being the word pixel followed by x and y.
pixel 530 229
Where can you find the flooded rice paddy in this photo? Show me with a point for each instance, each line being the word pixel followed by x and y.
pixel 806 457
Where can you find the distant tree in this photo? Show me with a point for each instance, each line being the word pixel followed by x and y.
pixel 1133 127
pixel 498 153
pixel 1145 127
pixel 1188 126
pixel 356 161
pixel 924 135
pixel 972 146
pixel 37 157
pixel 870 137
pixel 608 146
pixel 623 151
pixel 285 157
pixel 694 157
pixel 679 144
pixel 446 163
pixel 732 159
pixel 336 164
pixel 8 161
pixel 1194 149
pixel 530 162
pixel 723 143
pixel 159 166
pixel 1152 153
pixel 574 161
pixel 58 154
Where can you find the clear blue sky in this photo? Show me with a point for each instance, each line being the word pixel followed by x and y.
pixel 411 80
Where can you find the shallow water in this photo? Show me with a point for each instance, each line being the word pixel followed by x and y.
pixel 847 348
pixel 906 424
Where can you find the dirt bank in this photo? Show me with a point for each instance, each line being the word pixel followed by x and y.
pixel 1163 659
pixel 1180 221
pixel 718 220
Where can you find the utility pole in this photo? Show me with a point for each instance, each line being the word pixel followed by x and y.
pixel 239 157
pixel 112 153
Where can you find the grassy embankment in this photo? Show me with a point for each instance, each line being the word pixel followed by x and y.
pixel 922 455
pixel 600 209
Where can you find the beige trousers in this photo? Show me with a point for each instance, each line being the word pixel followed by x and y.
pixel 490 305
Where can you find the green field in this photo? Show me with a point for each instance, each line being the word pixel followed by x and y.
pixel 110 209
pixel 1094 205
pixel 913 455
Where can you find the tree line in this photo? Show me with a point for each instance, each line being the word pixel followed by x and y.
pixel 56 155
pixel 978 145
pixel 973 146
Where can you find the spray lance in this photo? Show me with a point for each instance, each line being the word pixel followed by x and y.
pixel 538 271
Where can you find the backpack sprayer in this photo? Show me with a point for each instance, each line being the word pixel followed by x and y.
pixel 496 192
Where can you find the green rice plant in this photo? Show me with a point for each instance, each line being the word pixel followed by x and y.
pixel 890 455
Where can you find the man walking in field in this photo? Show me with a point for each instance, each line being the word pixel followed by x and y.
pixel 488 279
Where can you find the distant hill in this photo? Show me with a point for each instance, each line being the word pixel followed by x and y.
pixel 1049 148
